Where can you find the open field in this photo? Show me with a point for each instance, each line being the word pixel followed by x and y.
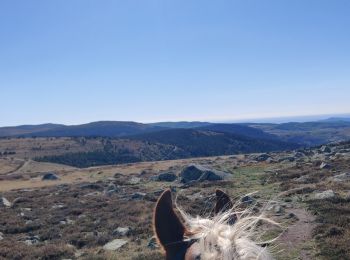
pixel 76 215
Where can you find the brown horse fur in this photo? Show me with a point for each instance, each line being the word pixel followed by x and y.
pixel 168 227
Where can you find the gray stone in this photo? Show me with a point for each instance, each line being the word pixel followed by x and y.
pixel 289 159
pixel 195 172
pixel 91 186
pixel 134 180
pixel 111 189
pixel 328 194
pixel 50 176
pixel 302 179
pixel 19 200
pixel 325 149
pixel 247 200
pixel 325 165
pixel 341 177
pixel 138 195
pixel 5 203
pixel 299 155
pixel 166 176
pixel 121 231
pixel 115 244
pixel 1 236
pixel 262 157
pixel 291 215
pixel 278 209
pixel 32 240
pixel 152 243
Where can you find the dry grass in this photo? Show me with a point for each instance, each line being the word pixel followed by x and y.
pixel 70 220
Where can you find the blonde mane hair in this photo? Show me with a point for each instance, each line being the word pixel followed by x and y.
pixel 220 240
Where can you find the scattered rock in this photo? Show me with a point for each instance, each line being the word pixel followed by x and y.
pixel 32 240
pixel 138 195
pixel 347 196
pixel 247 200
pixel 134 180
pixel 1 236
pixel 325 149
pixel 58 206
pixel 152 243
pixel 121 231
pixel 166 176
pixel 289 159
pixel 302 179
pixel 5 203
pixel 111 188
pixel 118 175
pixel 325 165
pixel 291 215
pixel 115 244
pixel 299 155
pixel 50 176
pixel 19 200
pixel 29 222
pixel 328 194
pixel 270 160
pixel 195 172
pixel 94 193
pixel 341 177
pixel 262 157
pixel 92 186
pixel 278 209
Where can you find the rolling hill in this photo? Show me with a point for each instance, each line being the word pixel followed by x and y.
pixel 308 133
pixel 304 134
pixel 239 129
pixel 100 128
pixel 27 129
pixel 199 142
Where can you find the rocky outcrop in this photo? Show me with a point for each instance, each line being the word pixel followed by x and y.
pixel 115 244
pixel 328 194
pixel 50 176
pixel 165 176
pixel 196 172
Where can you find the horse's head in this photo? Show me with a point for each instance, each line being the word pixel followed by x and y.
pixel 207 239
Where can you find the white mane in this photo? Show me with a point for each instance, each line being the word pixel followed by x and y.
pixel 220 241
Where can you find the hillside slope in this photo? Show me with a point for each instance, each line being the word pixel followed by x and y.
pixel 208 143
pixel 308 133
pixel 239 129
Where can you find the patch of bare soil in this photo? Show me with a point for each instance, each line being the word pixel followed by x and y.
pixel 299 233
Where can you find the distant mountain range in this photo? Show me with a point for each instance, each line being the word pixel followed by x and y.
pixel 305 133
pixel 122 142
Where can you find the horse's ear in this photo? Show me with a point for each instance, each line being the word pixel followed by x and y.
pixel 167 225
pixel 223 202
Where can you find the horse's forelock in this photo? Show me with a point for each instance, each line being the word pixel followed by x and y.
pixel 218 239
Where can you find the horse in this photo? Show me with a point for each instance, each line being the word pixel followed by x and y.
pixel 229 235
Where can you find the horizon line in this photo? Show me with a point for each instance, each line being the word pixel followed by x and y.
pixel 273 119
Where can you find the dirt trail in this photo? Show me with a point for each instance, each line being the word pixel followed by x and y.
pixel 299 234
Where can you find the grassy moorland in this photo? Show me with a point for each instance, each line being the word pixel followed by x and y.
pixel 75 216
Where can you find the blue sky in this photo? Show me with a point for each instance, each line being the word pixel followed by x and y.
pixel 76 61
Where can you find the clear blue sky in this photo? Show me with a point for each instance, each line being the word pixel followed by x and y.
pixel 75 61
